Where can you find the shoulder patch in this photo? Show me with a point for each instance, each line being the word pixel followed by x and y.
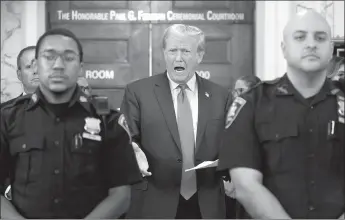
pixel 340 101
pixel 123 123
pixel 234 109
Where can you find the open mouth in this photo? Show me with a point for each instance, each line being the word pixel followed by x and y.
pixel 179 68
pixel 311 56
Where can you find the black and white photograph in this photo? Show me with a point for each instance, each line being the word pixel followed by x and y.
pixel 172 110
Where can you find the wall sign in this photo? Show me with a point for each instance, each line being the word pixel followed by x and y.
pixel 141 16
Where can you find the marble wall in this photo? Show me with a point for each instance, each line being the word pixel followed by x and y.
pixel 12 39
pixel 333 11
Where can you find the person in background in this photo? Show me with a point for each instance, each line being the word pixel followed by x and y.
pixel 176 119
pixel 336 71
pixel 26 73
pixel 64 159
pixel 234 209
pixel 84 86
pixel 284 139
pixel 244 84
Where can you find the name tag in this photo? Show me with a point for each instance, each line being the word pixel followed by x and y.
pixel 92 136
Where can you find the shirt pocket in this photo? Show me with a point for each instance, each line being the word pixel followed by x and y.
pixel 277 139
pixel 86 159
pixel 28 162
pixel 336 144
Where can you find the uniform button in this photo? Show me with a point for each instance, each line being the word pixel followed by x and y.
pixel 312 107
pixel 311 208
pixel 312 182
pixel 56 171
pixel 179 160
pixel 56 143
pixel 277 135
pixel 57 119
pixel 24 146
pixel 56 201
pixel 310 130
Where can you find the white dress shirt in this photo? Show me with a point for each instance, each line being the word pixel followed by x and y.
pixel 192 95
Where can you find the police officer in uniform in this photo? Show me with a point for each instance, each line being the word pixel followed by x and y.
pixel 66 157
pixel 284 140
pixel 27 75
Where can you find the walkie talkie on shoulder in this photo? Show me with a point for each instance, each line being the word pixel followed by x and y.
pixel 101 105
pixel 102 109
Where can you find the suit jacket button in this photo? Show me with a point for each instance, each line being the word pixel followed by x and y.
pixel 179 160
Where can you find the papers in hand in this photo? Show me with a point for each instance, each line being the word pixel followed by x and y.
pixel 203 165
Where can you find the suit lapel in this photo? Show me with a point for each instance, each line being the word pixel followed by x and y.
pixel 203 108
pixel 164 98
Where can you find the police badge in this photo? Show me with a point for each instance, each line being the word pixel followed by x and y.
pixel 92 128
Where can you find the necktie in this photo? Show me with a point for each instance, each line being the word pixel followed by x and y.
pixel 186 132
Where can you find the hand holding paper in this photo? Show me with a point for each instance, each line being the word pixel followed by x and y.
pixel 203 165
pixel 141 159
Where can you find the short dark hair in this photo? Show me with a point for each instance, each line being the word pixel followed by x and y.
pixel 21 54
pixel 63 32
pixel 250 80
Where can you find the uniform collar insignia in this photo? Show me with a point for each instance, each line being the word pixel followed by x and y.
pixel 82 98
pixel 34 97
pixel 207 94
pixel 282 89
pixel 33 100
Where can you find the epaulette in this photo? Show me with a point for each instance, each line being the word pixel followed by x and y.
pixel 271 82
pixel 17 101
pixel 253 87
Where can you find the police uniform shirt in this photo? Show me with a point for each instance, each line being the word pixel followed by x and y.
pixel 287 138
pixel 56 172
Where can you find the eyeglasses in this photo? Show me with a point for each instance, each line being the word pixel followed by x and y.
pixel 52 55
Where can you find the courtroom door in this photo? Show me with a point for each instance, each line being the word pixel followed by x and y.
pixel 122 39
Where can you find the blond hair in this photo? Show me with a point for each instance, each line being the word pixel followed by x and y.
pixel 188 30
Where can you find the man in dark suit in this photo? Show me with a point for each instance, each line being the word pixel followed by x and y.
pixel 26 73
pixel 176 120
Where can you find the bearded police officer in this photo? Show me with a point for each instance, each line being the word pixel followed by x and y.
pixel 67 157
pixel 284 140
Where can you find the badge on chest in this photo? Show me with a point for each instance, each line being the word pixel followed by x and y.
pixel 92 129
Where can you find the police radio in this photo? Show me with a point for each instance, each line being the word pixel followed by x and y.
pixel 102 107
